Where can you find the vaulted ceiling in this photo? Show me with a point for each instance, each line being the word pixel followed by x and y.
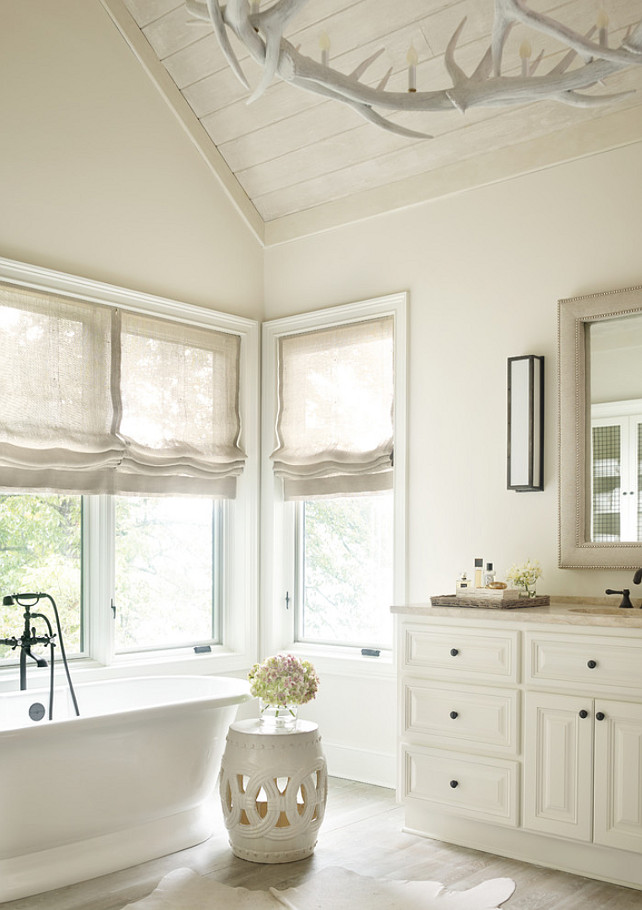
pixel 305 163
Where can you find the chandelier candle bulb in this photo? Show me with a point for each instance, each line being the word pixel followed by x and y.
pixel 525 51
pixel 324 44
pixel 602 25
pixel 412 58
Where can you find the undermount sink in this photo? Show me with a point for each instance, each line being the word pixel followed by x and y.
pixel 608 611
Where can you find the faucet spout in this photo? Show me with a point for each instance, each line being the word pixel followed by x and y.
pixel 637 578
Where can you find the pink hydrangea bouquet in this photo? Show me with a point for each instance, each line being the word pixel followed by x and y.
pixel 284 680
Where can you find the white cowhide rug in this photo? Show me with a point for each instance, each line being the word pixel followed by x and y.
pixel 330 889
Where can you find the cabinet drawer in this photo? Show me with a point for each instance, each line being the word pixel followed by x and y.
pixel 484 789
pixel 461 654
pixel 478 718
pixel 578 660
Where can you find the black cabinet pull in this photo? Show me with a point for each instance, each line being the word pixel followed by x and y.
pixel 583 713
pixel 454 783
pixel 454 714
pixel 454 652
pixel 591 664
pixel 600 715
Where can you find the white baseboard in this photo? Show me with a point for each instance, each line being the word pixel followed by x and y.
pixel 377 768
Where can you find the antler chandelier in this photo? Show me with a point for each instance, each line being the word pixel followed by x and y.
pixel 261 31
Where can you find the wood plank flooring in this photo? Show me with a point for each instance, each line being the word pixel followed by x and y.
pixel 361 832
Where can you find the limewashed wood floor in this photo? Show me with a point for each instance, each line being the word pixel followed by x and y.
pixel 361 832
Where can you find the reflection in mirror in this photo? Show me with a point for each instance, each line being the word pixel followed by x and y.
pixel 600 430
pixel 615 383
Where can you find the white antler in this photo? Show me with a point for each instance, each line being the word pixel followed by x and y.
pixel 262 35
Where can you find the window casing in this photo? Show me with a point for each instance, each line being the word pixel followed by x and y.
pixel 231 631
pixel 283 520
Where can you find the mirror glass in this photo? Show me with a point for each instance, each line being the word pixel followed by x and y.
pixel 600 430
pixel 614 377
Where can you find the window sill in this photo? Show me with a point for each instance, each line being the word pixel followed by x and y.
pixel 170 663
pixel 341 661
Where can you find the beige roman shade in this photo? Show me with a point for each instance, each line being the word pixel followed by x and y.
pixel 96 399
pixel 335 410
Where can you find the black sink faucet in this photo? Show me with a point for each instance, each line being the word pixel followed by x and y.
pixel 626 600
pixel 637 578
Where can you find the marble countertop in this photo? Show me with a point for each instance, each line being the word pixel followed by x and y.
pixel 575 611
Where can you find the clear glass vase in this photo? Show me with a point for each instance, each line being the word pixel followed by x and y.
pixel 528 590
pixel 277 718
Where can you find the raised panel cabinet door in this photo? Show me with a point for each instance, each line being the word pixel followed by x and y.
pixel 558 764
pixel 618 774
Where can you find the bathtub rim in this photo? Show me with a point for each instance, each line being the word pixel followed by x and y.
pixel 194 703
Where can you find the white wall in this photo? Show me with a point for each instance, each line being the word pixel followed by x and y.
pixel 484 270
pixel 97 177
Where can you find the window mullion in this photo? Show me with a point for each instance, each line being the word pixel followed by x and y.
pixel 298 570
pixel 99 573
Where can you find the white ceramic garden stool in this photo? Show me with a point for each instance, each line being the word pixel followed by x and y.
pixel 273 788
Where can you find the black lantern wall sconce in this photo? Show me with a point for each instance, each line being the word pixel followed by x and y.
pixel 525 460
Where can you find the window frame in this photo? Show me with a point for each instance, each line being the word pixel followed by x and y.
pixel 238 616
pixel 279 535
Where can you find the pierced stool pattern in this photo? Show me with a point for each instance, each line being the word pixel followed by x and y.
pixel 273 789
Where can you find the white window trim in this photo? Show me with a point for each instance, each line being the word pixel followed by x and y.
pixel 277 531
pixel 239 619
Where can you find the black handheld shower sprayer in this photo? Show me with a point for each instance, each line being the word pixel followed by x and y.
pixel 29 638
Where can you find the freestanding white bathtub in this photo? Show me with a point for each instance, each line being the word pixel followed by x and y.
pixel 131 779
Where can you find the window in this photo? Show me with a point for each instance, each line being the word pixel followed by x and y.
pixel 344 568
pixel 167 579
pixel 167 554
pixel 336 500
pixel 41 550
pixel 130 421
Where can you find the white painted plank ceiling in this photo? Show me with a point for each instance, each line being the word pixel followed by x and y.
pixel 293 152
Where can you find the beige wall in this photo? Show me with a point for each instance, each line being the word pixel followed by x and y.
pixel 484 270
pixel 97 177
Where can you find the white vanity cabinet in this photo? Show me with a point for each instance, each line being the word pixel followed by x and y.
pixel 524 737
pixel 460 721
pixel 583 753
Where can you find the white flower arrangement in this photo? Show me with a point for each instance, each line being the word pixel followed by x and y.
pixel 525 576
pixel 284 680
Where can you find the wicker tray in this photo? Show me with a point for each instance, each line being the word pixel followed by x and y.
pixel 487 603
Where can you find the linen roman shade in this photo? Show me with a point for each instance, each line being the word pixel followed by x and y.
pixel 95 399
pixel 335 417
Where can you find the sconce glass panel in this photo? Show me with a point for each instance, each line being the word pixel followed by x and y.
pixel 525 423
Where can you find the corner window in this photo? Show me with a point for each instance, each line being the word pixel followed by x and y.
pixel 168 572
pixel 146 409
pixel 334 414
pixel 41 550
pixel 344 568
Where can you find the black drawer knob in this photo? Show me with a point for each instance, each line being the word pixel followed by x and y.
pixel 454 783
pixel 454 652
pixel 591 664
pixel 583 713
pixel 600 715
pixel 454 714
